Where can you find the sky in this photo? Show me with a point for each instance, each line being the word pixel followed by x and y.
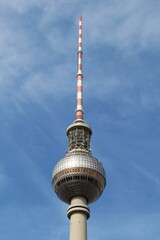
pixel 38 66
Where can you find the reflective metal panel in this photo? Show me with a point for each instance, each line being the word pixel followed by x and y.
pixel 79 173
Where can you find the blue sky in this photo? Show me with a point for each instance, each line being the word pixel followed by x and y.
pixel 121 45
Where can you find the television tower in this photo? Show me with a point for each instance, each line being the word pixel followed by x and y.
pixel 79 178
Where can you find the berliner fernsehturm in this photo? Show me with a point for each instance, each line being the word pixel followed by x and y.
pixel 79 178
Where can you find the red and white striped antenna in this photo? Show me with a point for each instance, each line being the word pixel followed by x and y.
pixel 79 110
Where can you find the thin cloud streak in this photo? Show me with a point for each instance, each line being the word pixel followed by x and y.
pixel 155 179
pixel 125 25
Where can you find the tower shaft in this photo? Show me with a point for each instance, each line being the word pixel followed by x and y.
pixel 78 213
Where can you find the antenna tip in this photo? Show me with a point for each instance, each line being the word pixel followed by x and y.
pixel 80 18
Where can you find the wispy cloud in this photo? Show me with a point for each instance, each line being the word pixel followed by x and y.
pixel 124 24
pixel 27 73
pixel 19 6
pixel 29 221
pixel 148 174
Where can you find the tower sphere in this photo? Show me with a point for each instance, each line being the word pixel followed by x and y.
pixel 78 174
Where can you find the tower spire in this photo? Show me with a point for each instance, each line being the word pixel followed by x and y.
pixel 79 109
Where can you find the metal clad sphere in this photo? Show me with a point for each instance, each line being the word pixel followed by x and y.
pixel 78 174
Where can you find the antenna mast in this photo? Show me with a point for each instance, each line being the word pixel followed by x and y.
pixel 79 110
